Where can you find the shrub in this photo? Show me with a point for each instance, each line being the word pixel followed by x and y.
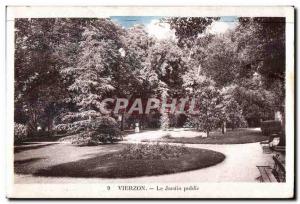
pixel 190 123
pixel 20 132
pixel 152 151
pixel 101 130
pixel 270 127
pixel 105 130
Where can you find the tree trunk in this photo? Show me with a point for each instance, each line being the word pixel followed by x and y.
pixel 122 122
pixel 224 127
pixel 143 121
pixel 207 133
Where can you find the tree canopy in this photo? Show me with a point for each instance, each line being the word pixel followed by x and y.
pixel 65 67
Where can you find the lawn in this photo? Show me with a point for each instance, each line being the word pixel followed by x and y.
pixel 237 136
pixel 109 161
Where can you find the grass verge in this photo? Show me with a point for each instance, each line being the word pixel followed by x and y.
pixel 239 136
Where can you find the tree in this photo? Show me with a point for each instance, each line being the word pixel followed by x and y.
pixel 187 29
pixel 261 46
pixel 263 41
pixel 245 57
pixel 167 61
pixel 207 100
pixel 38 84
pixel 135 78
pixel 221 62
pixel 92 76
pixel 232 112
pixel 65 67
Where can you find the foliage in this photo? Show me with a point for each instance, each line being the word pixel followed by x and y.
pixel 221 62
pixel 262 43
pixel 99 57
pixel 65 67
pixel 152 151
pixel 261 48
pixel 207 101
pixel 101 130
pixel 166 59
pixel 20 132
pixel 188 28
pixel 209 111
pixel 38 84
pixel 232 112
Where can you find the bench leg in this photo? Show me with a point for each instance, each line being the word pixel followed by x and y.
pixel 260 179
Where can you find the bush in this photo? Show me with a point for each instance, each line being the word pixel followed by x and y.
pixel 101 130
pixel 270 127
pixel 20 132
pixel 190 123
pixel 152 151
pixel 106 130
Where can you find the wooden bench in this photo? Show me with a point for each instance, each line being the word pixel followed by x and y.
pixel 268 146
pixel 279 148
pixel 266 174
pixel 279 169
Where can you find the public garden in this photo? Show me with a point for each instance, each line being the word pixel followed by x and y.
pixel 97 99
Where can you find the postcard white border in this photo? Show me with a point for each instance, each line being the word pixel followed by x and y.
pixel 208 190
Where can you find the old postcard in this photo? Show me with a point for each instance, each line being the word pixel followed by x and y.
pixel 150 102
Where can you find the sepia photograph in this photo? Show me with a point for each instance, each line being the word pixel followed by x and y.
pixel 141 102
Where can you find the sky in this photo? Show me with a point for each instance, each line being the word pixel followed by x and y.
pixel 162 30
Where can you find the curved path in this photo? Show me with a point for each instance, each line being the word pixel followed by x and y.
pixel 239 166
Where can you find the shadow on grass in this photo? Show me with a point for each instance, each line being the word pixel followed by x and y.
pixel 26 161
pixel 239 136
pixel 18 149
pixel 113 166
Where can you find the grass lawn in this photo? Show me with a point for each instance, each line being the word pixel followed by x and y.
pixel 238 136
pixel 74 161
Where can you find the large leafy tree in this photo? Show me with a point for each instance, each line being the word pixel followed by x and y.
pixel 261 48
pixel 261 41
pixel 167 60
pixel 98 60
pixel 137 44
pixel 38 84
pixel 134 77
pixel 207 100
pixel 232 112
pixel 221 61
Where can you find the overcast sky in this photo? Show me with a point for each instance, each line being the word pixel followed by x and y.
pixel 163 31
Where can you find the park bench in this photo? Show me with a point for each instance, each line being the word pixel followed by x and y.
pixel 279 148
pixel 275 174
pixel 279 169
pixel 268 145
pixel 266 174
